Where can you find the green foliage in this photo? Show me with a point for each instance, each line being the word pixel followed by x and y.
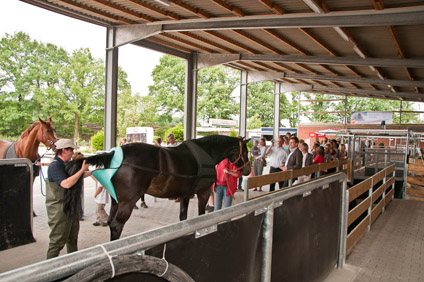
pixel 259 104
pixel 254 122
pixel 214 88
pixel 178 132
pixel 161 132
pixel 233 133
pixel 97 141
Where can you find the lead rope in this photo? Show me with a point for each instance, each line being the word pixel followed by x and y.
pixel 41 172
pixel 110 260
pixel 164 259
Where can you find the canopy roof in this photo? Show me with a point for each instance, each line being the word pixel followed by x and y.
pixel 367 48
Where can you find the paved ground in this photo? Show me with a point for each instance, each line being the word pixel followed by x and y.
pixel 393 250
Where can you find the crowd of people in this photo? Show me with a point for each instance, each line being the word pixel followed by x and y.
pixel 292 153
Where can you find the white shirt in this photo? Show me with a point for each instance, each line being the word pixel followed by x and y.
pixel 304 158
pixel 102 197
pixel 287 160
pixel 278 156
pixel 262 150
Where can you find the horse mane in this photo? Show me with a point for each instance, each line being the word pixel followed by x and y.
pixel 29 129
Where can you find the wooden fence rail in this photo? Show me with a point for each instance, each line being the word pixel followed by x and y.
pixel 369 208
pixel 291 175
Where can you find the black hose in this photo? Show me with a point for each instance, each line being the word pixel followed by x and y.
pixel 131 264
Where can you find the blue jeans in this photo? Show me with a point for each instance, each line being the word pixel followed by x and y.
pixel 219 195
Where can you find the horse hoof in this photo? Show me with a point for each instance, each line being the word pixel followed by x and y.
pixel 143 205
pixel 135 207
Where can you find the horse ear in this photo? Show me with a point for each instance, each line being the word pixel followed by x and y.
pixel 246 141
pixel 42 121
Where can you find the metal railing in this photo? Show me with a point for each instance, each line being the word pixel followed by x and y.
pixel 67 265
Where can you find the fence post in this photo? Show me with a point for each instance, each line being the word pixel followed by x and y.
pixel 370 207
pixel 384 191
pixel 244 185
pixel 268 230
pixel 344 213
pixel 291 178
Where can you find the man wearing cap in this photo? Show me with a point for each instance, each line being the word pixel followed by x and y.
pixel 64 230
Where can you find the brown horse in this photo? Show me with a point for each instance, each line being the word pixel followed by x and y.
pixel 27 145
pixel 172 172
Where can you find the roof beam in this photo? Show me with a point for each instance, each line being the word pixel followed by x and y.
pixel 393 82
pixel 130 33
pixel 326 60
pixel 380 93
pixel 398 16
pixel 230 8
pixel 161 46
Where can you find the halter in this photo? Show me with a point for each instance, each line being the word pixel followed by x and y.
pixel 45 138
pixel 240 156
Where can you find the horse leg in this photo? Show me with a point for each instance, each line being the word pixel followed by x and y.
pixel 202 199
pixel 113 210
pixel 122 215
pixel 184 207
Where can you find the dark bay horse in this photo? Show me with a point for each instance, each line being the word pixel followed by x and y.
pixel 172 172
pixel 27 145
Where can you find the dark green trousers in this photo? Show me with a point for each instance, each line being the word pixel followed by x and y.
pixel 64 230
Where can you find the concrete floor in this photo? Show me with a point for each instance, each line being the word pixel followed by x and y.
pixel 393 250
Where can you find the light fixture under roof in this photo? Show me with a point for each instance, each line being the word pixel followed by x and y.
pixel 164 2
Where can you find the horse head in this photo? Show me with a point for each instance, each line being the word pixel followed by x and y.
pixel 47 133
pixel 240 156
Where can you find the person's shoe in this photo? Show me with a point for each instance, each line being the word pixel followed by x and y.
pixel 255 189
pixel 96 224
pixel 104 224
pixel 240 189
pixel 259 189
pixel 209 208
pixel 135 207
pixel 143 205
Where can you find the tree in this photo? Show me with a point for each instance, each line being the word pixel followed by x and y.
pixel 259 104
pixel 214 93
pixel 26 66
pixel 168 87
pixel 214 88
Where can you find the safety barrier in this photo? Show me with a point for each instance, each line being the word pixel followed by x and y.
pixel 367 210
pixel 297 234
pixel 15 203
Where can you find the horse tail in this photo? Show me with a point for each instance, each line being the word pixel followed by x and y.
pixel 72 196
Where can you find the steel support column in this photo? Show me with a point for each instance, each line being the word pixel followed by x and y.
pixel 243 103
pixel 111 90
pixel 277 93
pixel 190 97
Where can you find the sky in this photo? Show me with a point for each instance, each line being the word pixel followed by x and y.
pixel 71 34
